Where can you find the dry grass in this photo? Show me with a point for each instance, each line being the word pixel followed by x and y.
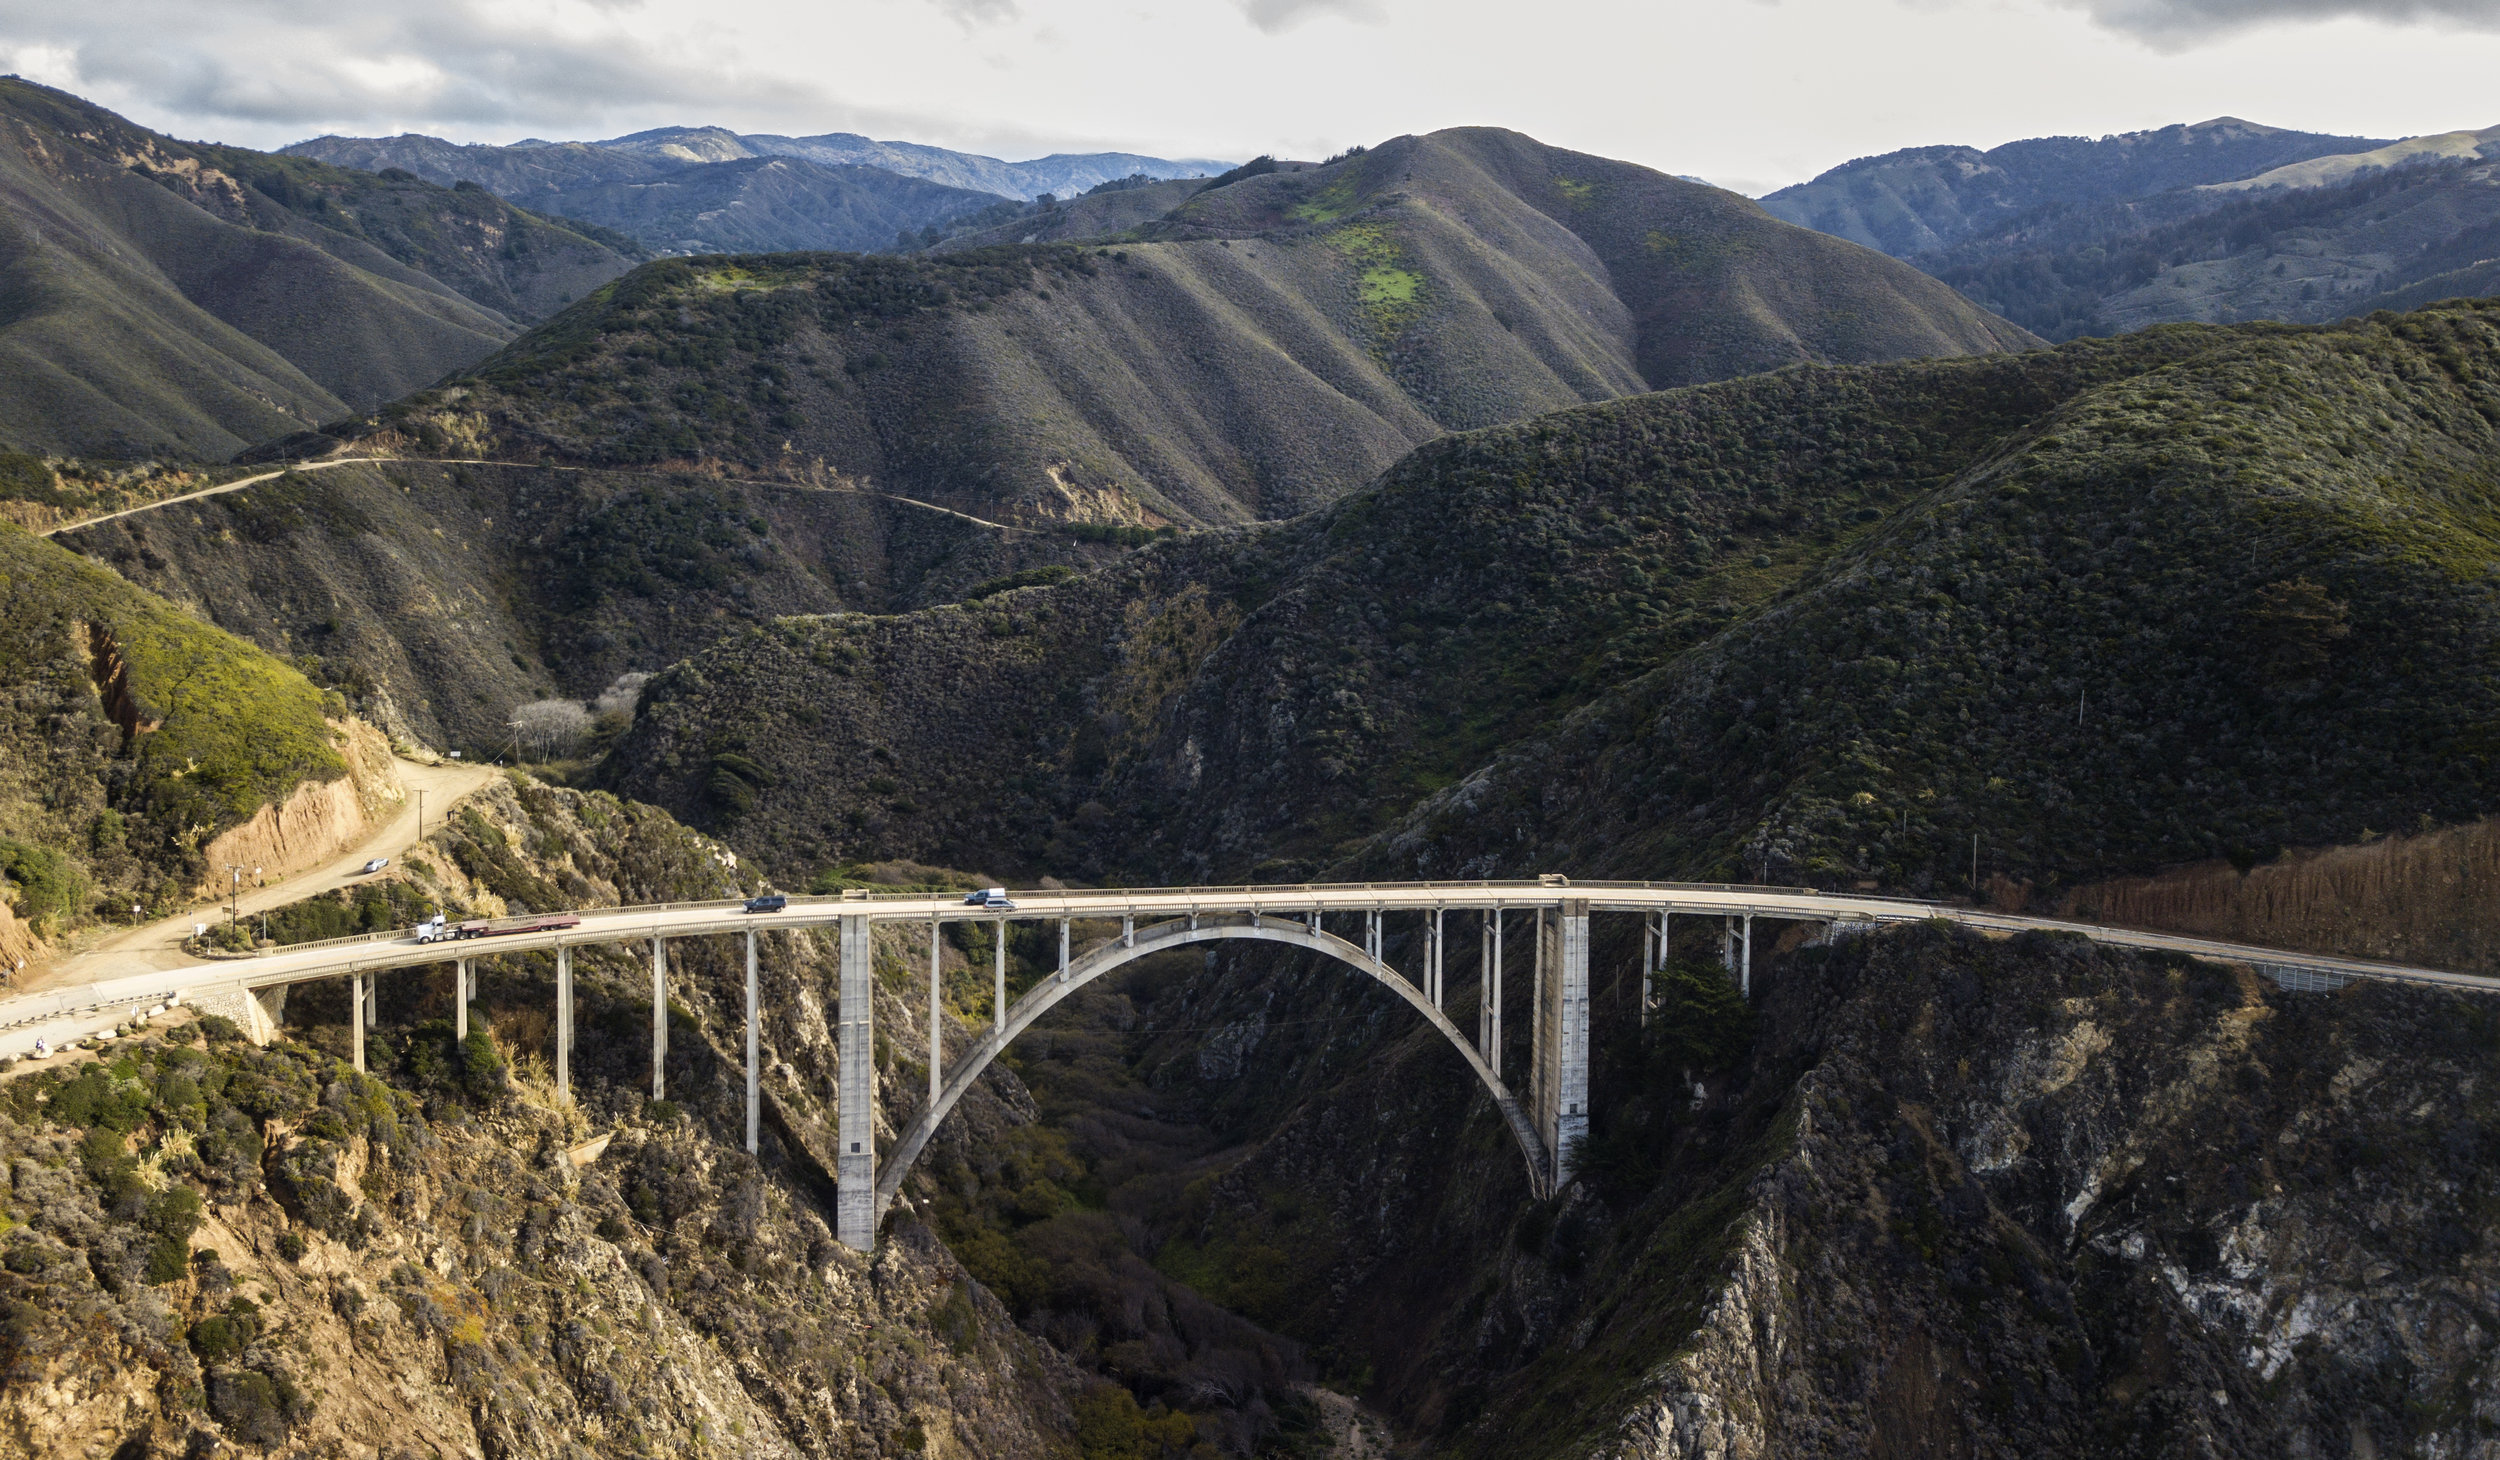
pixel 2431 898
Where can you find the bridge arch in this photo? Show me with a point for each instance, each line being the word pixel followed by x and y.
pixel 1163 938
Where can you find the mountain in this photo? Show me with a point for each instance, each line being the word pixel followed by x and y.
pixel 1260 349
pixel 708 190
pixel 1924 198
pixel 676 198
pixel 1062 174
pixel 2374 239
pixel 766 204
pixel 168 298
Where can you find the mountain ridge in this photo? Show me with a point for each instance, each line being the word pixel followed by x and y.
pixel 1922 198
pixel 1301 330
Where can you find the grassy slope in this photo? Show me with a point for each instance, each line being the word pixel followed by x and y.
pixel 237 728
pixel 169 299
pixel 1268 346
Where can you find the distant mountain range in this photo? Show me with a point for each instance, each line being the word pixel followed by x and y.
pixel 1924 198
pixel 695 190
pixel 164 298
pixel 2221 221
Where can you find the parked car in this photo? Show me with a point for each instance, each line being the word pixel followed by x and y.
pixel 773 903
pixel 376 865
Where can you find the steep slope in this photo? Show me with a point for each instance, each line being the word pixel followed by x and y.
pixel 2389 238
pixel 163 298
pixel 1931 1194
pixel 1263 348
pixel 1924 198
pixel 436 598
pixel 132 735
pixel 524 168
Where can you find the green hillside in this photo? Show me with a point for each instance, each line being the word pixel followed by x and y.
pixel 1265 347
pixel 131 734
pixel 164 298
pixel 2195 592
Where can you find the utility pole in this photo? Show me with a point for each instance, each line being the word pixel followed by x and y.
pixel 420 815
pixel 234 904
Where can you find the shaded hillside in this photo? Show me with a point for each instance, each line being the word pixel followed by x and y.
pixel 2395 238
pixel 435 598
pixel 2190 593
pixel 1925 198
pixel 525 170
pixel 1265 347
pixel 162 298
pixel 1932 1194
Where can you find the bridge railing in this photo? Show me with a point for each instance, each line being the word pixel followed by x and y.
pixel 1270 890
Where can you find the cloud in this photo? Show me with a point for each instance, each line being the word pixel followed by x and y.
pixel 316 62
pixel 2179 24
pixel 1276 15
pixel 969 13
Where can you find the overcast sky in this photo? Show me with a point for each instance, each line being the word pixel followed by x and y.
pixel 1751 94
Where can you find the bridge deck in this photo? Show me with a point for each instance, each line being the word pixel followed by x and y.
pixel 331 959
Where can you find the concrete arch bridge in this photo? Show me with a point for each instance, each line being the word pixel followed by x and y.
pixel 1548 1114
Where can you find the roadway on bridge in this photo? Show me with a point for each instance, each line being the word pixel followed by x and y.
pixel 640 924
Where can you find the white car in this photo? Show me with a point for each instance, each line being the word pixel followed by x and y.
pixel 376 865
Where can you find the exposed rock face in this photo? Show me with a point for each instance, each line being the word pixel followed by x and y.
pixel 318 819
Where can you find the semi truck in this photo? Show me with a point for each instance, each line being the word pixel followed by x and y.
pixel 437 929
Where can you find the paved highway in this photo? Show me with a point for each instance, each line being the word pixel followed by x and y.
pixel 1146 905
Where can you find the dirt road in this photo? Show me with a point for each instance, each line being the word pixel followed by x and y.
pixel 158 945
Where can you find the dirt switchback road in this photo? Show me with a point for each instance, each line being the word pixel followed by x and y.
pixel 156 946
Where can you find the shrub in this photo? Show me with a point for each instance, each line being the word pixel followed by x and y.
pixel 482 1068
pixel 45 883
pixel 256 1408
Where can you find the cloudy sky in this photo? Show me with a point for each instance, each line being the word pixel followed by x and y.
pixel 1748 93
